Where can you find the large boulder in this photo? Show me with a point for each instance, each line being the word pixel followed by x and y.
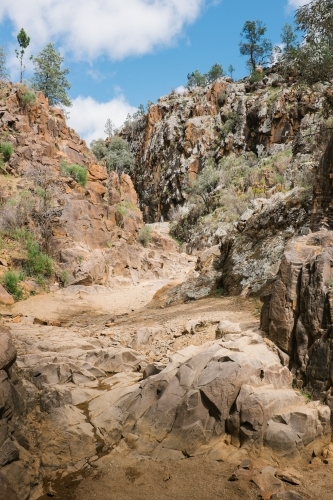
pixel 232 387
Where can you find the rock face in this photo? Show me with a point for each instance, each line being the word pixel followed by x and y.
pixel 18 468
pixel 61 373
pixel 248 256
pixel 182 131
pixel 252 256
pixel 297 311
pixel 322 209
pixel 91 232
pixel 90 395
pixel 230 391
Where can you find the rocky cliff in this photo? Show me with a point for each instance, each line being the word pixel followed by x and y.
pixel 90 226
pixel 89 229
pixel 256 147
pixel 182 131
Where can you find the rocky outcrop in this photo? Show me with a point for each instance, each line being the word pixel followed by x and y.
pixel 225 399
pixel 88 395
pixel 322 203
pixel 18 468
pixel 90 231
pixel 297 312
pixel 182 131
pixel 251 256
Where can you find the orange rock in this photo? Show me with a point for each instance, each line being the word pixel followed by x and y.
pixel 96 186
pixel 5 297
pixel 17 319
pixel 128 192
pixel 97 172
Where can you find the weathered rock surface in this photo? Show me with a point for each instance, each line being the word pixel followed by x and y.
pixel 5 297
pixel 250 256
pixel 18 471
pixel 235 386
pixel 182 131
pixel 297 311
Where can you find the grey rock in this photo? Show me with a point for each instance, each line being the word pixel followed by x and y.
pixel 7 492
pixel 7 349
pixel 8 453
pixel 144 336
pixel 287 495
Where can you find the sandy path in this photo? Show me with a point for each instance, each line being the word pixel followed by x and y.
pixel 67 303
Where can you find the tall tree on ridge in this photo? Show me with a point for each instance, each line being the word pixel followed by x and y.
pixel 254 45
pixel 23 41
pixel 49 78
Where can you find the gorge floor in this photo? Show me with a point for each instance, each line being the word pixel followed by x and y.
pixel 115 316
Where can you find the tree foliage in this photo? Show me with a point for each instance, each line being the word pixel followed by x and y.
pixel 110 128
pixel 49 78
pixel 23 41
pixel 197 79
pixel 215 72
pixel 3 69
pixel 99 148
pixel 315 19
pixel 288 38
pixel 231 70
pixel 313 58
pixel 255 45
pixel 118 156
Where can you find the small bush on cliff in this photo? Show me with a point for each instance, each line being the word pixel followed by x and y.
pixel 144 236
pixel 231 123
pixel 38 263
pixel 28 98
pixel 205 184
pixel 15 212
pixel 197 79
pixel 99 148
pixel 6 150
pixel 10 281
pixel 77 172
pixel 215 72
pixel 118 156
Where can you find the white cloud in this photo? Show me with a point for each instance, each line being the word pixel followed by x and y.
pixel 181 89
pixel 294 4
pixel 89 28
pixel 88 117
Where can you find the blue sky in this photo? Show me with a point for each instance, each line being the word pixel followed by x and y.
pixel 123 52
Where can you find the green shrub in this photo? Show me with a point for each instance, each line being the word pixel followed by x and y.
pixel 256 76
pixel 222 97
pixel 6 150
pixel 38 263
pixel 121 209
pixel 19 234
pixel 99 148
pixel 144 236
pixel 10 281
pixel 64 277
pixel 28 98
pixel 77 172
